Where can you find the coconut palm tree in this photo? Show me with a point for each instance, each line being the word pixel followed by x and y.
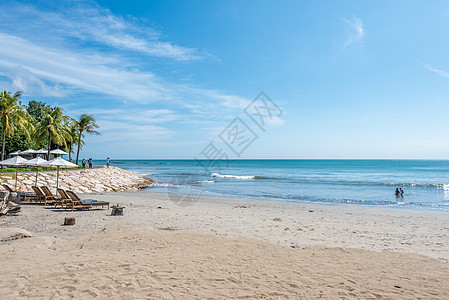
pixel 54 127
pixel 85 123
pixel 74 133
pixel 13 116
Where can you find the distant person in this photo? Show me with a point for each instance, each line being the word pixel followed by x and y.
pixel 90 163
pixel 84 163
pixel 108 160
pixel 397 193
pixel 402 192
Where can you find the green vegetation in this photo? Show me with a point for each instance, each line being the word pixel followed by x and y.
pixel 39 125
pixel 13 117
pixel 85 123
pixel 33 169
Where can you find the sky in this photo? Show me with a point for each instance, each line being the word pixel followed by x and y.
pixel 183 79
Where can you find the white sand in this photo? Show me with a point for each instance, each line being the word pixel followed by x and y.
pixel 136 262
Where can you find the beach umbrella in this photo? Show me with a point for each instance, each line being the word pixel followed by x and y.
pixel 15 161
pixel 36 162
pixel 58 152
pixel 42 151
pixel 15 153
pixel 59 162
pixel 29 151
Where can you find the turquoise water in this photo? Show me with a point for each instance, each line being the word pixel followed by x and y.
pixel 362 182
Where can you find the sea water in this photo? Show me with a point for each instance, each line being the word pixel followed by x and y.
pixel 361 182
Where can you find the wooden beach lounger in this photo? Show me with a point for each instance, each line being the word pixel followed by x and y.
pixel 26 195
pixel 58 201
pixel 42 197
pixel 63 194
pixel 74 203
pixel 75 198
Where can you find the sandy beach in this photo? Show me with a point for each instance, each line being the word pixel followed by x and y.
pixel 224 248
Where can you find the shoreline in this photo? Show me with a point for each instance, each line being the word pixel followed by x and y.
pixel 284 223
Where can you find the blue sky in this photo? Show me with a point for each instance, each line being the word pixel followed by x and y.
pixel 354 79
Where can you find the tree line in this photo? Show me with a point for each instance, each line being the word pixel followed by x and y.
pixel 39 125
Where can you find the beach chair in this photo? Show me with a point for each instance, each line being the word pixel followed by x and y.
pixel 63 194
pixel 26 195
pixel 75 202
pixel 42 197
pixel 64 197
pixel 95 203
pixel 58 201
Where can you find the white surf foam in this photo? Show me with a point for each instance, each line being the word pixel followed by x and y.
pixel 232 176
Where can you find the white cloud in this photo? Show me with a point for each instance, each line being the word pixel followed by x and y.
pixel 93 24
pixel 75 70
pixel 356 32
pixel 73 52
pixel 436 71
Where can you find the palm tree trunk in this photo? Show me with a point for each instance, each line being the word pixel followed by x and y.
pixel 3 145
pixel 79 144
pixel 70 152
pixel 49 145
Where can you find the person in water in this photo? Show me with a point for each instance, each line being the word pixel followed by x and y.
pixel 402 192
pixel 397 193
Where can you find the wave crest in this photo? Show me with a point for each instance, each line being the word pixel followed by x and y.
pixel 217 175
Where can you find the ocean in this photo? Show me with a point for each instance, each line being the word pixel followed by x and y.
pixel 357 182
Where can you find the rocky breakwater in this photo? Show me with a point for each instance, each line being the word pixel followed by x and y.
pixel 94 180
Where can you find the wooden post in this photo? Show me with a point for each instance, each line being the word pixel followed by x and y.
pixel 69 221
pixel 57 180
pixel 17 170
pixel 37 170
pixel 117 210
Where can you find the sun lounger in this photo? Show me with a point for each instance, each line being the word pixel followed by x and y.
pixel 42 197
pixel 26 195
pixel 74 202
pixel 75 198
pixel 63 194
pixel 47 192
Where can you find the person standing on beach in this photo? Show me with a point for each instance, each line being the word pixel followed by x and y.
pixel 90 163
pixel 108 160
pixel 84 163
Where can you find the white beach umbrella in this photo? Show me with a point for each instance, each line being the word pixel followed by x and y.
pixel 15 153
pixel 15 161
pixel 29 151
pixel 36 162
pixel 59 162
pixel 42 151
pixel 58 152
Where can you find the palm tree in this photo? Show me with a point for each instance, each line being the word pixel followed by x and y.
pixel 13 116
pixel 74 133
pixel 54 126
pixel 85 123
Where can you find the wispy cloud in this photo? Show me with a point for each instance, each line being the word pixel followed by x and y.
pixel 63 68
pixel 86 49
pixel 91 23
pixel 436 71
pixel 356 32
pixel 87 59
